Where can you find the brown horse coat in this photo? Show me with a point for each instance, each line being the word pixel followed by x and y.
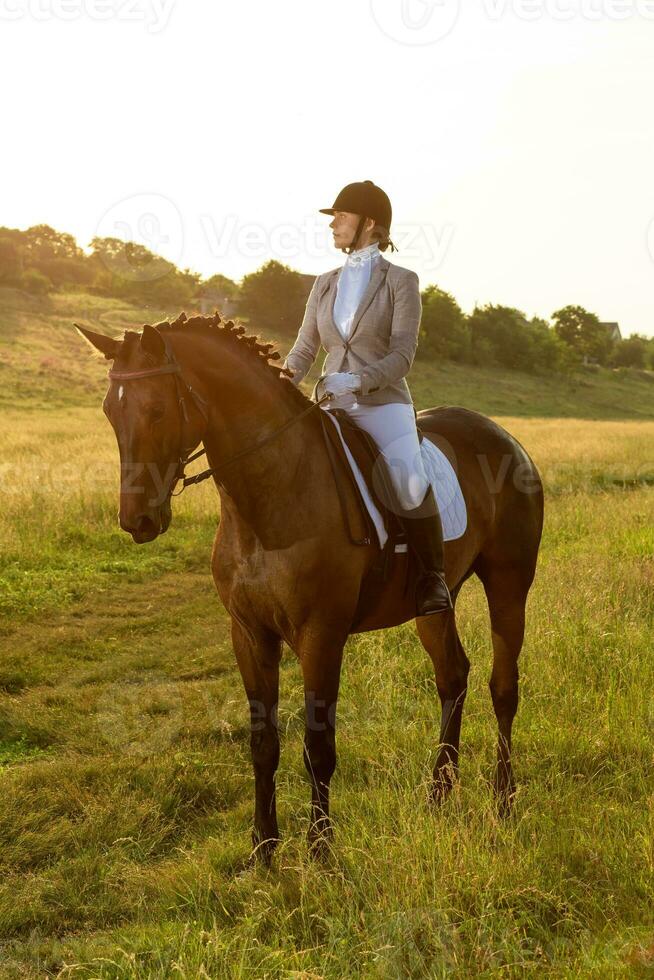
pixel 283 565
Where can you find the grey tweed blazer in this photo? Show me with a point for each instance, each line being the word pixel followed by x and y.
pixel 383 338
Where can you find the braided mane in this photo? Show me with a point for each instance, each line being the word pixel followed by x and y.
pixel 258 352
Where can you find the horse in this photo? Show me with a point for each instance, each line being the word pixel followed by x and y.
pixel 282 563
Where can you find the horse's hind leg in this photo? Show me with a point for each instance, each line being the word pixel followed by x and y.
pixel 440 639
pixel 506 591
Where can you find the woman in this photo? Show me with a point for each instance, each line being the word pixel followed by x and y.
pixel 366 315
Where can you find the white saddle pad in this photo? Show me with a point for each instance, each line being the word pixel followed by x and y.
pixel 447 490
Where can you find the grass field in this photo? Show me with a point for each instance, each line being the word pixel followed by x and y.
pixel 124 759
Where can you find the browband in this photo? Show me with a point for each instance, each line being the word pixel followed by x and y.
pixel 147 373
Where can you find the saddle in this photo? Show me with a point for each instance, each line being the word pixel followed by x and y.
pixel 366 452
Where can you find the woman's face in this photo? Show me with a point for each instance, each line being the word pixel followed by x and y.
pixel 344 227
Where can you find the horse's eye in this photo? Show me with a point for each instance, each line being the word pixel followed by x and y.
pixel 157 414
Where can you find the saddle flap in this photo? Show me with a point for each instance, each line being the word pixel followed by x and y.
pixel 366 452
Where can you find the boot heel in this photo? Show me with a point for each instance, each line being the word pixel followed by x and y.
pixel 432 595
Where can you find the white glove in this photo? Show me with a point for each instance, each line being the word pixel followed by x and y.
pixel 294 376
pixel 341 383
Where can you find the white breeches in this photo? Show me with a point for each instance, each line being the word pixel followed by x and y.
pixel 393 427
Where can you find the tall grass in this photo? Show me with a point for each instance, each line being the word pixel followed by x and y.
pixel 124 761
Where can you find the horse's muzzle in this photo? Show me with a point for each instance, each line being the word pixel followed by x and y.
pixel 147 527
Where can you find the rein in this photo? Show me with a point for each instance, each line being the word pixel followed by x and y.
pixel 205 474
pixel 173 367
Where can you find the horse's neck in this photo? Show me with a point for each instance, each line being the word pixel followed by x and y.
pixel 266 484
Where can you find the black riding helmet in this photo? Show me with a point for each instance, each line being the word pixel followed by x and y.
pixel 369 201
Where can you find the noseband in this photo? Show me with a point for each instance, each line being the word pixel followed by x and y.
pixel 172 366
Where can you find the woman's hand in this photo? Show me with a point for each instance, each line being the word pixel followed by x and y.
pixel 342 383
pixel 292 374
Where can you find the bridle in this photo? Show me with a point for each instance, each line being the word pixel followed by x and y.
pixel 184 389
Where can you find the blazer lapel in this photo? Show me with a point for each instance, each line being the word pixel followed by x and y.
pixel 330 299
pixel 376 279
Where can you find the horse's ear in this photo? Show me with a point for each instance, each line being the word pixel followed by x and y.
pixel 152 343
pixel 105 345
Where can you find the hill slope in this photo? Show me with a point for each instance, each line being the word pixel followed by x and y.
pixel 43 363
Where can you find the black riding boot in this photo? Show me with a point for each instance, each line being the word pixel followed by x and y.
pixel 425 536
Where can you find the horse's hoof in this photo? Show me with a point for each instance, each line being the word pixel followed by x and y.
pixel 320 843
pixel 320 850
pixel 442 784
pixel 248 869
pixel 505 807
pixel 438 794
pixel 505 796
pixel 262 851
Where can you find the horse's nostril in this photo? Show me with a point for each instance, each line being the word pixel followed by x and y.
pixel 142 527
pixel 145 525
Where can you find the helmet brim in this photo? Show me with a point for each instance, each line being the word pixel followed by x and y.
pixel 327 210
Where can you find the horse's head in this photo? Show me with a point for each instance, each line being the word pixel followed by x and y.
pixel 146 407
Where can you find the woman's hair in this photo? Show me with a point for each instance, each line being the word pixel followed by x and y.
pixel 382 236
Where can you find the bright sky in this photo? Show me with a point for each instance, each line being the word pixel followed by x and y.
pixel 514 137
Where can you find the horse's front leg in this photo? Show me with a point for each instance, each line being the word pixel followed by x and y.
pixel 258 652
pixel 321 667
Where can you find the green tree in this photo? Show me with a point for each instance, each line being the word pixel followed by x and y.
pixel 567 322
pixel 444 332
pixel 219 284
pixel 133 272
pixel 129 261
pixel 549 353
pixel 43 242
pixel 596 342
pixel 11 259
pixel 33 281
pixel 498 334
pixel 583 332
pixel 631 352
pixel 274 298
pixel 504 335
